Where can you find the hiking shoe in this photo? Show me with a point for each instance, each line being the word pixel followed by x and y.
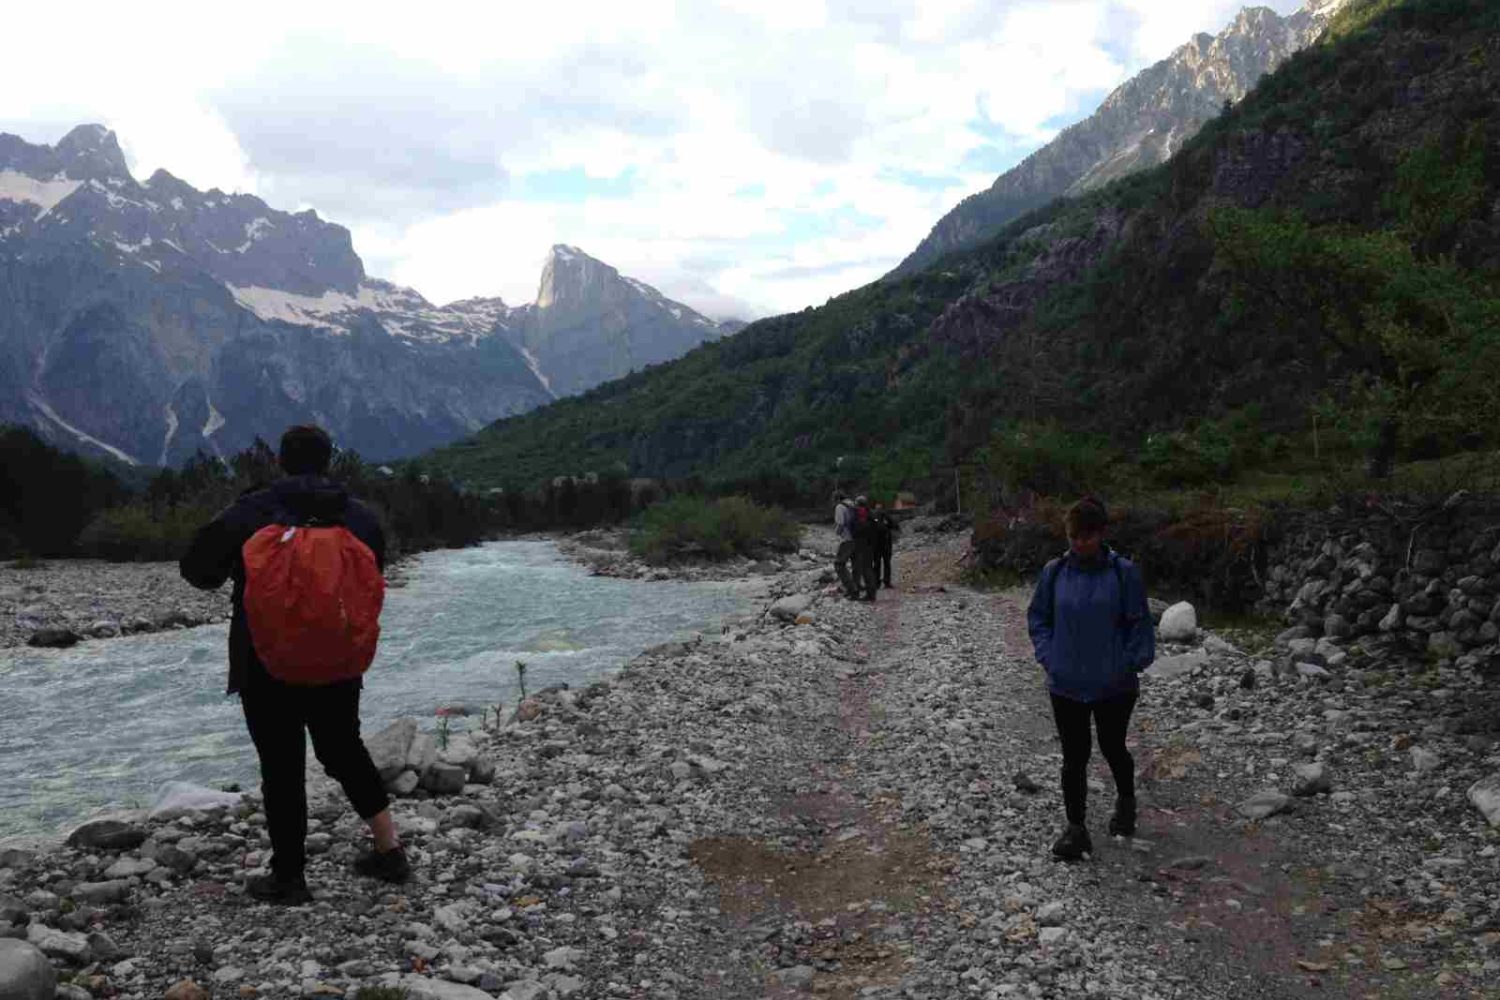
pixel 1073 844
pixel 388 866
pixel 1122 823
pixel 278 889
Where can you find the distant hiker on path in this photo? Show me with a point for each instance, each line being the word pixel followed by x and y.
pixel 886 530
pixel 843 527
pixel 306 560
pixel 865 580
pixel 1093 635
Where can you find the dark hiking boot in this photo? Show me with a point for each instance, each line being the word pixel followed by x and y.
pixel 278 889
pixel 1073 844
pixel 1122 823
pixel 388 866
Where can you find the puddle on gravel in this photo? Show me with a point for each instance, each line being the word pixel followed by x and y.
pixel 855 900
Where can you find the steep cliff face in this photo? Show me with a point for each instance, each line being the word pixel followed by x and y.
pixel 591 324
pixel 1140 125
pixel 146 321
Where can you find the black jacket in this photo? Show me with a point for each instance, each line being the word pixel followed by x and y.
pixel 214 555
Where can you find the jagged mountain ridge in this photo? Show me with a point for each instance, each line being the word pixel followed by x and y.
pixel 148 320
pixel 1139 125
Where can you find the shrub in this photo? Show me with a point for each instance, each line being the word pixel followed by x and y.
pixel 689 527
pixel 131 534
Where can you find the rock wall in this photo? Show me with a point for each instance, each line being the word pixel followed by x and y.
pixel 1423 582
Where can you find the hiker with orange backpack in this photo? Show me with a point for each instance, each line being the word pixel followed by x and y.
pixel 306 560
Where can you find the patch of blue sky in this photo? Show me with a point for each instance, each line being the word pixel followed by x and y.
pixel 572 185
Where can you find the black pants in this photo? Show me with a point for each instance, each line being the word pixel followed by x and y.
pixel 864 568
pixel 1111 718
pixel 883 562
pixel 278 715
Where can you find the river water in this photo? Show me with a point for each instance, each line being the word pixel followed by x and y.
pixel 109 722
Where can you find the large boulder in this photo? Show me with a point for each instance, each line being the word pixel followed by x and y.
pixel 25 973
pixel 178 798
pixel 59 944
pixel 388 748
pixel 1169 667
pixel 1179 623
pixel 53 638
pixel 444 779
pixel 114 832
pixel 1484 794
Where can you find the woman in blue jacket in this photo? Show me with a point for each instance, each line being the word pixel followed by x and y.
pixel 1093 635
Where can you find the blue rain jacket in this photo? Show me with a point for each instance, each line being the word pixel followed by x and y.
pixel 1091 638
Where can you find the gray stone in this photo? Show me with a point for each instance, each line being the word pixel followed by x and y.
pixel 388 748
pixel 112 891
pixel 1263 805
pixel 1311 779
pixel 562 958
pixel 1179 623
pixel 1051 935
pixel 1484 795
pixel 444 779
pixel 121 832
pixel 482 771
pixel 1443 645
pixel 525 989
pixel 25 973
pixel 1312 671
pixel 102 947
pixel 1169 667
pixel 404 783
pixel 422 988
pixel 422 753
pixel 1424 761
pixel 1336 626
pixel 1050 914
pixel 796 977
pixel 59 944
pixel 788 608
pixel 129 867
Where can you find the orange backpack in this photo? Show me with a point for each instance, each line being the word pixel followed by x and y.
pixel 312 601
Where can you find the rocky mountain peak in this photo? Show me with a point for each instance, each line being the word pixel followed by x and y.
pixel 1141 124
pixel 572 277
pixel 92 152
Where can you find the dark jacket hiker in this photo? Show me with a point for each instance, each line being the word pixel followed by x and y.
pixel 313 592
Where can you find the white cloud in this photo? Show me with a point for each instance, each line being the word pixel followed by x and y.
pixel 775 152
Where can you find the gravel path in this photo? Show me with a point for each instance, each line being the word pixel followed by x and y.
pixel 840 808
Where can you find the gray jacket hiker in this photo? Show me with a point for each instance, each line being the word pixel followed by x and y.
pixel 843 521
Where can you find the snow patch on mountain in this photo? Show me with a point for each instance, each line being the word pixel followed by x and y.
pixel 47 411
pixel 16 186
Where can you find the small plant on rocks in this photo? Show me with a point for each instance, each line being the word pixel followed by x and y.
pixel 521 677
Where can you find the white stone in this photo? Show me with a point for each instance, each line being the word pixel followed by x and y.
pixel 1484 794
pixel 59 944
pixel 562 958
pixel 1311 779
pixel 1051 935
pixel 788 608
pixel 177 798
pixel 1179 623
pixel 388 748
pixel 1263 805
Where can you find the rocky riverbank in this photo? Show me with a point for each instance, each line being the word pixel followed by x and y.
pixel 845 800
pixel 64 601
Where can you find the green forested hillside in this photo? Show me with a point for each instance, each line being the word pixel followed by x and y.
pixel 1327 252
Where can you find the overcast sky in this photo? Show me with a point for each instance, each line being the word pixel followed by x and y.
pixel 744 156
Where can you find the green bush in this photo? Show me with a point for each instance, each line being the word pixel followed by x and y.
pixel 692 527
pixel 1046 458
pixel 131 534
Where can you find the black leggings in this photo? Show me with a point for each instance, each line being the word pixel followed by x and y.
pixel 277 716
pixel 1112 719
